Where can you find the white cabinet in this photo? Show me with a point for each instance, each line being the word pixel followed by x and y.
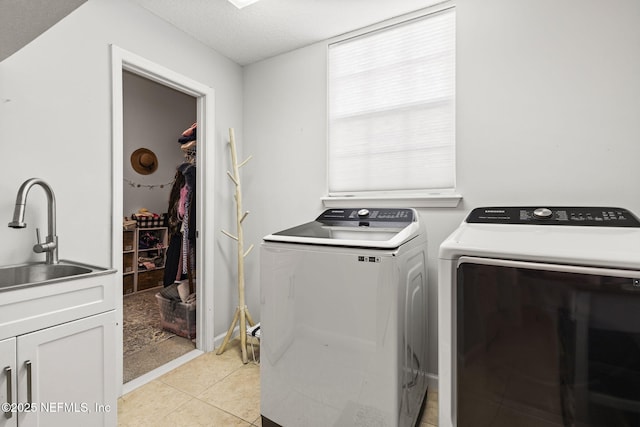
pixel 8 382
pixel 62 375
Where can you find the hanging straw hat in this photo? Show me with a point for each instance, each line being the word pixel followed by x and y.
pixel 144 161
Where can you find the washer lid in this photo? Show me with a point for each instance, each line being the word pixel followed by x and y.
pixel 374 228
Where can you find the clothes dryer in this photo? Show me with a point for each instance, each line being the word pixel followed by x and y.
pixel 344 322
pixel 539 318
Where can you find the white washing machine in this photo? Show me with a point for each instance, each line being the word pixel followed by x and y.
pixel 343 320
pixel 539 318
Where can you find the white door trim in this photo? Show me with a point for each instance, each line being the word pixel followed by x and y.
pixel 205 248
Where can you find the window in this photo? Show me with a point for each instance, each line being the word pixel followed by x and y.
pixel 392 108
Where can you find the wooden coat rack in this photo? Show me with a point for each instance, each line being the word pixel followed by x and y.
pixel 242 312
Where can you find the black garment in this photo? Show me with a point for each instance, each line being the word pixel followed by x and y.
pixel 173 221
pixel 189 172
pixel 185 175
pixel 172 263
pixel 185 139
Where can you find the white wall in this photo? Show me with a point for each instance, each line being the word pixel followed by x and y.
pixel 548 100
pixel 55 123
pixel 285 133
pixel 154 117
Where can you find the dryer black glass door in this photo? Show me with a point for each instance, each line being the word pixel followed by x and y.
pixel 538 347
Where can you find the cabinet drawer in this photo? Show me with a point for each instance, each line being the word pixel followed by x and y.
pixel 127 263
pixel 127 284
pixel 127 240
pixel 36 307
pixel 150 279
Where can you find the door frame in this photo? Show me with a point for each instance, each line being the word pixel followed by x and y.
pixel 122 60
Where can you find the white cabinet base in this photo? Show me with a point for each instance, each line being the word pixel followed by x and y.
pixel 72 379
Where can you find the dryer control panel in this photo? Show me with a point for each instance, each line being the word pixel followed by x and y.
pixel 541 215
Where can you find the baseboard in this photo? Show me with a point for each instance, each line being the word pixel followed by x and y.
pixel 218 340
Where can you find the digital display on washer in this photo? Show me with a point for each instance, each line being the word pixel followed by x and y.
pixel 578 216
pixel 349 216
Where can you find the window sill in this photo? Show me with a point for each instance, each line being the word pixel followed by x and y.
pixel 434 200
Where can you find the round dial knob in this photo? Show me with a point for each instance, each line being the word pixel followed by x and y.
pixel 363 212
pixel 542 213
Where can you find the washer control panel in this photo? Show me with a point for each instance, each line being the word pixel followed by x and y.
pixel 580 216
pixel 367 214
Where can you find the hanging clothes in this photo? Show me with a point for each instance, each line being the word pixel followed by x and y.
pixel 189 172
pixel 180 261
pixel 182 225
pixel 189 134
pixel 172 268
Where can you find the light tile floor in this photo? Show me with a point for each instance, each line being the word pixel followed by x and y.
pixel 210 390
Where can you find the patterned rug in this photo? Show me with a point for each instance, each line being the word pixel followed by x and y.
pixel 141 321
pixel 145 345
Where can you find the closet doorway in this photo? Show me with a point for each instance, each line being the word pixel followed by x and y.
pixel 158 326
pixel 154 144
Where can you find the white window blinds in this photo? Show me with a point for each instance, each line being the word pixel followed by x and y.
pixel 391 108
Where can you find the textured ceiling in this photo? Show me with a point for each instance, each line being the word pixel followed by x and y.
pixel 23 20
pixel 271 27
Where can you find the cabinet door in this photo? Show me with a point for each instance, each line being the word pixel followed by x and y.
pixel 72 374
pixel 7 381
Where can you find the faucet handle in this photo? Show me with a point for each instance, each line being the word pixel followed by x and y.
pixel 40 246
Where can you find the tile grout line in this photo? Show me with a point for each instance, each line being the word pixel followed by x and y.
pixel 197 397
pixel 205 389
pixel 168 385
pixel 224 410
